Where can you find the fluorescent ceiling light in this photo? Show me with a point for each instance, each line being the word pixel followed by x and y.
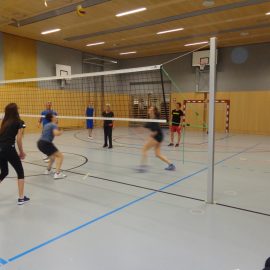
pixel 268 13
pixel 95 44
pixel 50 31
pixel 244 34
pixel 130 12
pixel 170 31
pixel 208 3
pixel 123 53
pixel 196 43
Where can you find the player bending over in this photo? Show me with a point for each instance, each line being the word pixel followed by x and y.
pixel 154 141
pixel 46 146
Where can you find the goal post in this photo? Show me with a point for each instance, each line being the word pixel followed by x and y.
pixel 188 102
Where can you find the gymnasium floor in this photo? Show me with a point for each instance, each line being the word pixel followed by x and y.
pixel 105 215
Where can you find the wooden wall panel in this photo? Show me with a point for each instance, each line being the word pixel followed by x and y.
pixel 20 57
pixel 31 100
pixel 250 110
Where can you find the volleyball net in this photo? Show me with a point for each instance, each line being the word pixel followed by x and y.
pixel 129 92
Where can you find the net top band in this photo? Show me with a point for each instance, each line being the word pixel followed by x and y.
pixel 84 75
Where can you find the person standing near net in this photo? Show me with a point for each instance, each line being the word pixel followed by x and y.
pixel 90 122
pixel 108 126
pixel 12 129
pixel 154 141
pixel 46 146
pixel 48 110
pixel 176 126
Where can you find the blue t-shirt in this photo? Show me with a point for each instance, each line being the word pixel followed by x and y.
pixel 47 132
pixel 90 112
pixel 44 113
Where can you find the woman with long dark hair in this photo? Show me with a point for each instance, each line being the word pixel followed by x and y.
pixel 11 129
pixel 154 141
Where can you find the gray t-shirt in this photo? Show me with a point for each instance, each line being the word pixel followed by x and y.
pixel 47 132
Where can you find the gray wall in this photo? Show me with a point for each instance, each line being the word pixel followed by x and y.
pixel 244 68
pixel 49 55
pixel 1 58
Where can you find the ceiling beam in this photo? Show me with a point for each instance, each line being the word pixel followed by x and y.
pixel 57 12
pixel 208 34
pixel 240 4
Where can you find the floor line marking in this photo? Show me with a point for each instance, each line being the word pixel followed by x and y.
pixel 16 257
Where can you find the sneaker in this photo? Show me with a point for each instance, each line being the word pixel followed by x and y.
pixel 105 145
pixel 47 172
pixel 23 201
pixel 171 167
pixel 46 160
pixel 110 147
pixel 177 145
pixel 170 144
pixel 90 137
pixel 59 175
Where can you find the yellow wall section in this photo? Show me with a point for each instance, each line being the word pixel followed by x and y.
pixel 31 100
pixel 20 59
pixel 250 110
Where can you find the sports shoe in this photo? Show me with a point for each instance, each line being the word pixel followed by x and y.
pixel 90 137
pixel 177 145
pixel 105 145
pixel 170 144
pixel 47 172
pixel 23 201
pixel 46 159
pixel 59 176
pixel 110 147
pixel 171 167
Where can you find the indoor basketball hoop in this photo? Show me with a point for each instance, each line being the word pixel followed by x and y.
pixel 204 61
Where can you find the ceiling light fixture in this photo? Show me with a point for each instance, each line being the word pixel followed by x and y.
pixel 50 31
pixel 170 31
pixel 95 44
pixel 196 43
pixel 243 34
pixel 45 3
pixel 268 13
pixel 124 53
pixel 208 3
pixel 130 12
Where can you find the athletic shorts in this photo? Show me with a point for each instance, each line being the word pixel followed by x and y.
pixel 47 148
pixel 176 129
pixel 89 124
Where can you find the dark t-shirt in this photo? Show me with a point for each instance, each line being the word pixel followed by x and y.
pixel 108 123
pixel 176 117
pixel 155 127
pixel 7 138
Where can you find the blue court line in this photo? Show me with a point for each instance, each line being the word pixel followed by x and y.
pixel 3 262
pixel 18 256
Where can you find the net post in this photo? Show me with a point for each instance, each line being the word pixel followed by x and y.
pixel 211 122
pixel 163 93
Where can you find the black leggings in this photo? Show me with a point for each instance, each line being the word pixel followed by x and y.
pixel 108 135
pixel 9 154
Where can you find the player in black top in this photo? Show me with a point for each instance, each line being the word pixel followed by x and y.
pixel 177 115
pixel 108 126
pixel 11 128
pixel 154 141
